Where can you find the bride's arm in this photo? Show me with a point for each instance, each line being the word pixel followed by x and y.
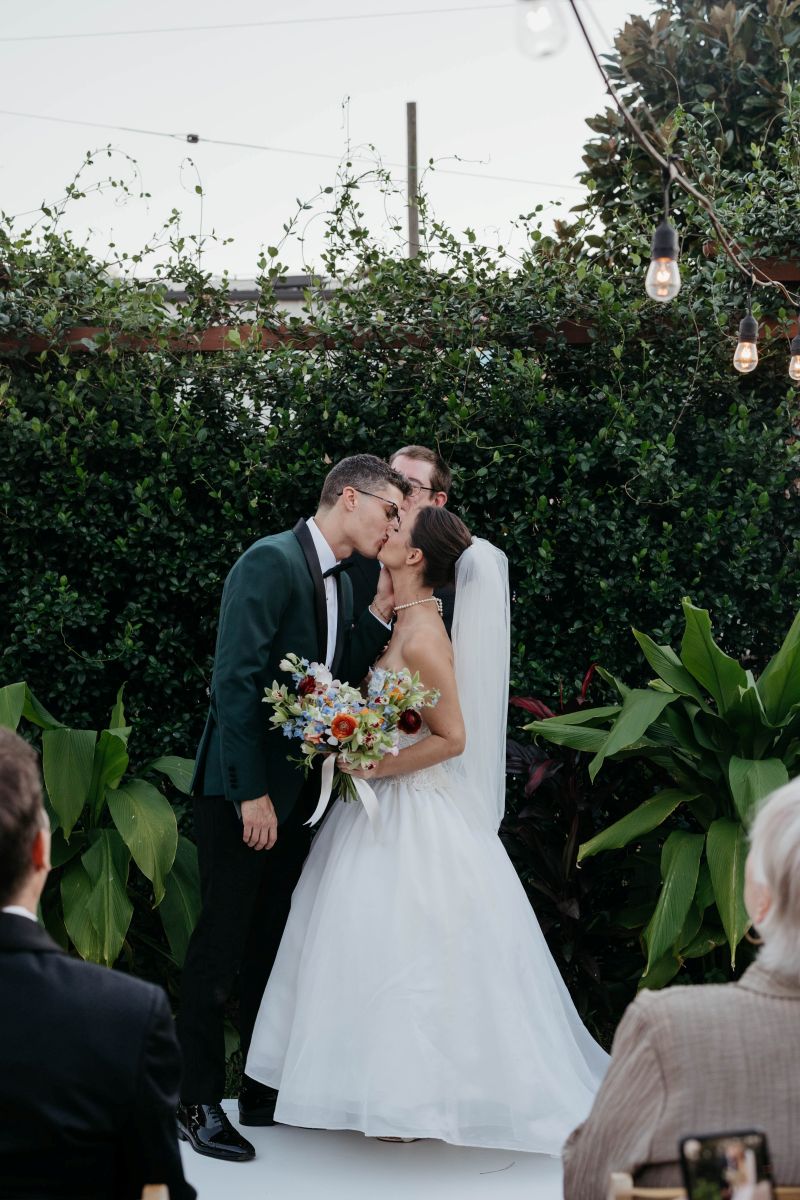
pixel 432 657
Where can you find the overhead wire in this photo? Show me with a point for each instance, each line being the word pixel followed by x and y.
pixel 194 138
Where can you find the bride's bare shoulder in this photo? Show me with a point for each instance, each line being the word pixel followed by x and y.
pixel 428 648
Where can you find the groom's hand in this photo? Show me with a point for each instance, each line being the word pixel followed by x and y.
pixel 260 824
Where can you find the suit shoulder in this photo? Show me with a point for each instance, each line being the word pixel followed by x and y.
pixel 110 989
pixel 686 1002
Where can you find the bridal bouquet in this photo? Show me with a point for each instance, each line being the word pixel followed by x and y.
pixel 336 720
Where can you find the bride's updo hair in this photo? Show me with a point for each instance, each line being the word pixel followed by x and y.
pixel 442 537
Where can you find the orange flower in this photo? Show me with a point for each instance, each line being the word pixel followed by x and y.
pixel 343 726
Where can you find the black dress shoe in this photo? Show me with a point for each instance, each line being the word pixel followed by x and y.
pixel 209 1131
pixel 256 1103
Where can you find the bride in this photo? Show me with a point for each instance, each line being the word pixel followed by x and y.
pixel 413 994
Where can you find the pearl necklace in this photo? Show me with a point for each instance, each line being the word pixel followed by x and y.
pixel 427 600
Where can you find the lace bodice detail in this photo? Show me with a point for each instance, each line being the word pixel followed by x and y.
pixel 428 777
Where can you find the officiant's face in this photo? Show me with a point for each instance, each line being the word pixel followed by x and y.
pixel 418 474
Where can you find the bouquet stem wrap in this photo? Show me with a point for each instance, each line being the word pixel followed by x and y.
pixel 363 790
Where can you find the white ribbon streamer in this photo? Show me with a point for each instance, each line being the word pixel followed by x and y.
pixel 365 794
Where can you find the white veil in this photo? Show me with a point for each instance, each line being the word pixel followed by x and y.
pixel 481 649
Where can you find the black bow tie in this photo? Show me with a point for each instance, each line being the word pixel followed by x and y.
pixel 337 569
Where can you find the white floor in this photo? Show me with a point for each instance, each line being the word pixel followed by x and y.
pixel 301 1164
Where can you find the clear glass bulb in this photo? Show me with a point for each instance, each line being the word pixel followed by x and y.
pixel 663 279
pixel 540 27
pixel 746 357
pixel 794 368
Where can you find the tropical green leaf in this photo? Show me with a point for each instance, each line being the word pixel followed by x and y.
pixel 117 718
pixel 779 684
pixel 669 667
pixel 110 764
pixel 577 737
pixel 621 687
pixel 661 972
pixel 76 890
pixel 753 779
pixel 146 821
pixel 67 758
pixel 680 867
pixel 178 770
pixel 180 907
pixel 717 672
pixel 37 714
pixel 704 896
pixel 106 863
pixel 63 851
pixel 747 719
pixel 640 708
pixel 726 851
pixel 691 927
pixel 705 940
pixel 12 703
pixel 635 824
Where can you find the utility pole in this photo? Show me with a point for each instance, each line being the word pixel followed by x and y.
pixel 411 159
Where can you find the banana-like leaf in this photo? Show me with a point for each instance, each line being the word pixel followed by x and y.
pixel 717 672
pixel 146 821
pixel 779 684
pixel 110 764
pixel 63 851
pixel 661 972
pixel 180 907
pixel 706 939
pixel 704 896
pixel 12 703
pixel 76 890
pixel 754 733
pixel 621 687
pixel 640 708
pixel 116 722
pixel 37 714
pixel 726 851
pixel 680 867
pixel 67 759
pixel 691 928
pixel 753 779
pixel 577 737
pixel 635 824
pixel 178 770
pixel 106 863
pixel 669 667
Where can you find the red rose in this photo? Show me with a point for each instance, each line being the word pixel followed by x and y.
pixel 306 686
pixel 410 721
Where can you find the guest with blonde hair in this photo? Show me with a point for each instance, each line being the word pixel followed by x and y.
pixel 714 1057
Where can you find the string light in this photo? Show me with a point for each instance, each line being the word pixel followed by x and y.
pixel 663 279
pixel 745 358
pixel 541 29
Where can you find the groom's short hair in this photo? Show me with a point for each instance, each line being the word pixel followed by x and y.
pixel 21 811
pixel 360 471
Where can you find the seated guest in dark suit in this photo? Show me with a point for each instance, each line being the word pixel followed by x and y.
pixel 89 1061
pixel 711 1058
pixel 430 479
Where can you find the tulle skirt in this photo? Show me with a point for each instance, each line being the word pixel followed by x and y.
pixel 413 993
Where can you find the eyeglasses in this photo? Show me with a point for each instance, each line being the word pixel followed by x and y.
pixel 392 511
pixel 417 487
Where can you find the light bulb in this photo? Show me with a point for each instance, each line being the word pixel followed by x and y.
pixel 745 358
pixel 794 361
pixel 540 27
pixel 663 279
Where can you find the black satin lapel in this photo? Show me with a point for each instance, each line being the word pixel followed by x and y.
pixel 340 628
pixel 306 541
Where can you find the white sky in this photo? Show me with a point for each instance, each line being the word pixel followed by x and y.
pixel 478 96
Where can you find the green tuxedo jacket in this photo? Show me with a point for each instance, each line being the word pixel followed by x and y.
pixel 273 604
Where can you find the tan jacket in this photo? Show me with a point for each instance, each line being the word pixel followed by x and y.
pixel 693 1060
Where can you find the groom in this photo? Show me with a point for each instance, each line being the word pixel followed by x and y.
pixel 286 594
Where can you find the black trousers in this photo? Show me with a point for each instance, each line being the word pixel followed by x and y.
pixel 246 895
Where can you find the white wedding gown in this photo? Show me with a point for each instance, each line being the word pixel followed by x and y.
pixel 413 993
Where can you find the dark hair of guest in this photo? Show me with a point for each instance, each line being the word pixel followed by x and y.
pixel 361 471
pixel 442 537
pixel 21 812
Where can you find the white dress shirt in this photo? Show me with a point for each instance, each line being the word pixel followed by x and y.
pixel 18 911
pixel 327 559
